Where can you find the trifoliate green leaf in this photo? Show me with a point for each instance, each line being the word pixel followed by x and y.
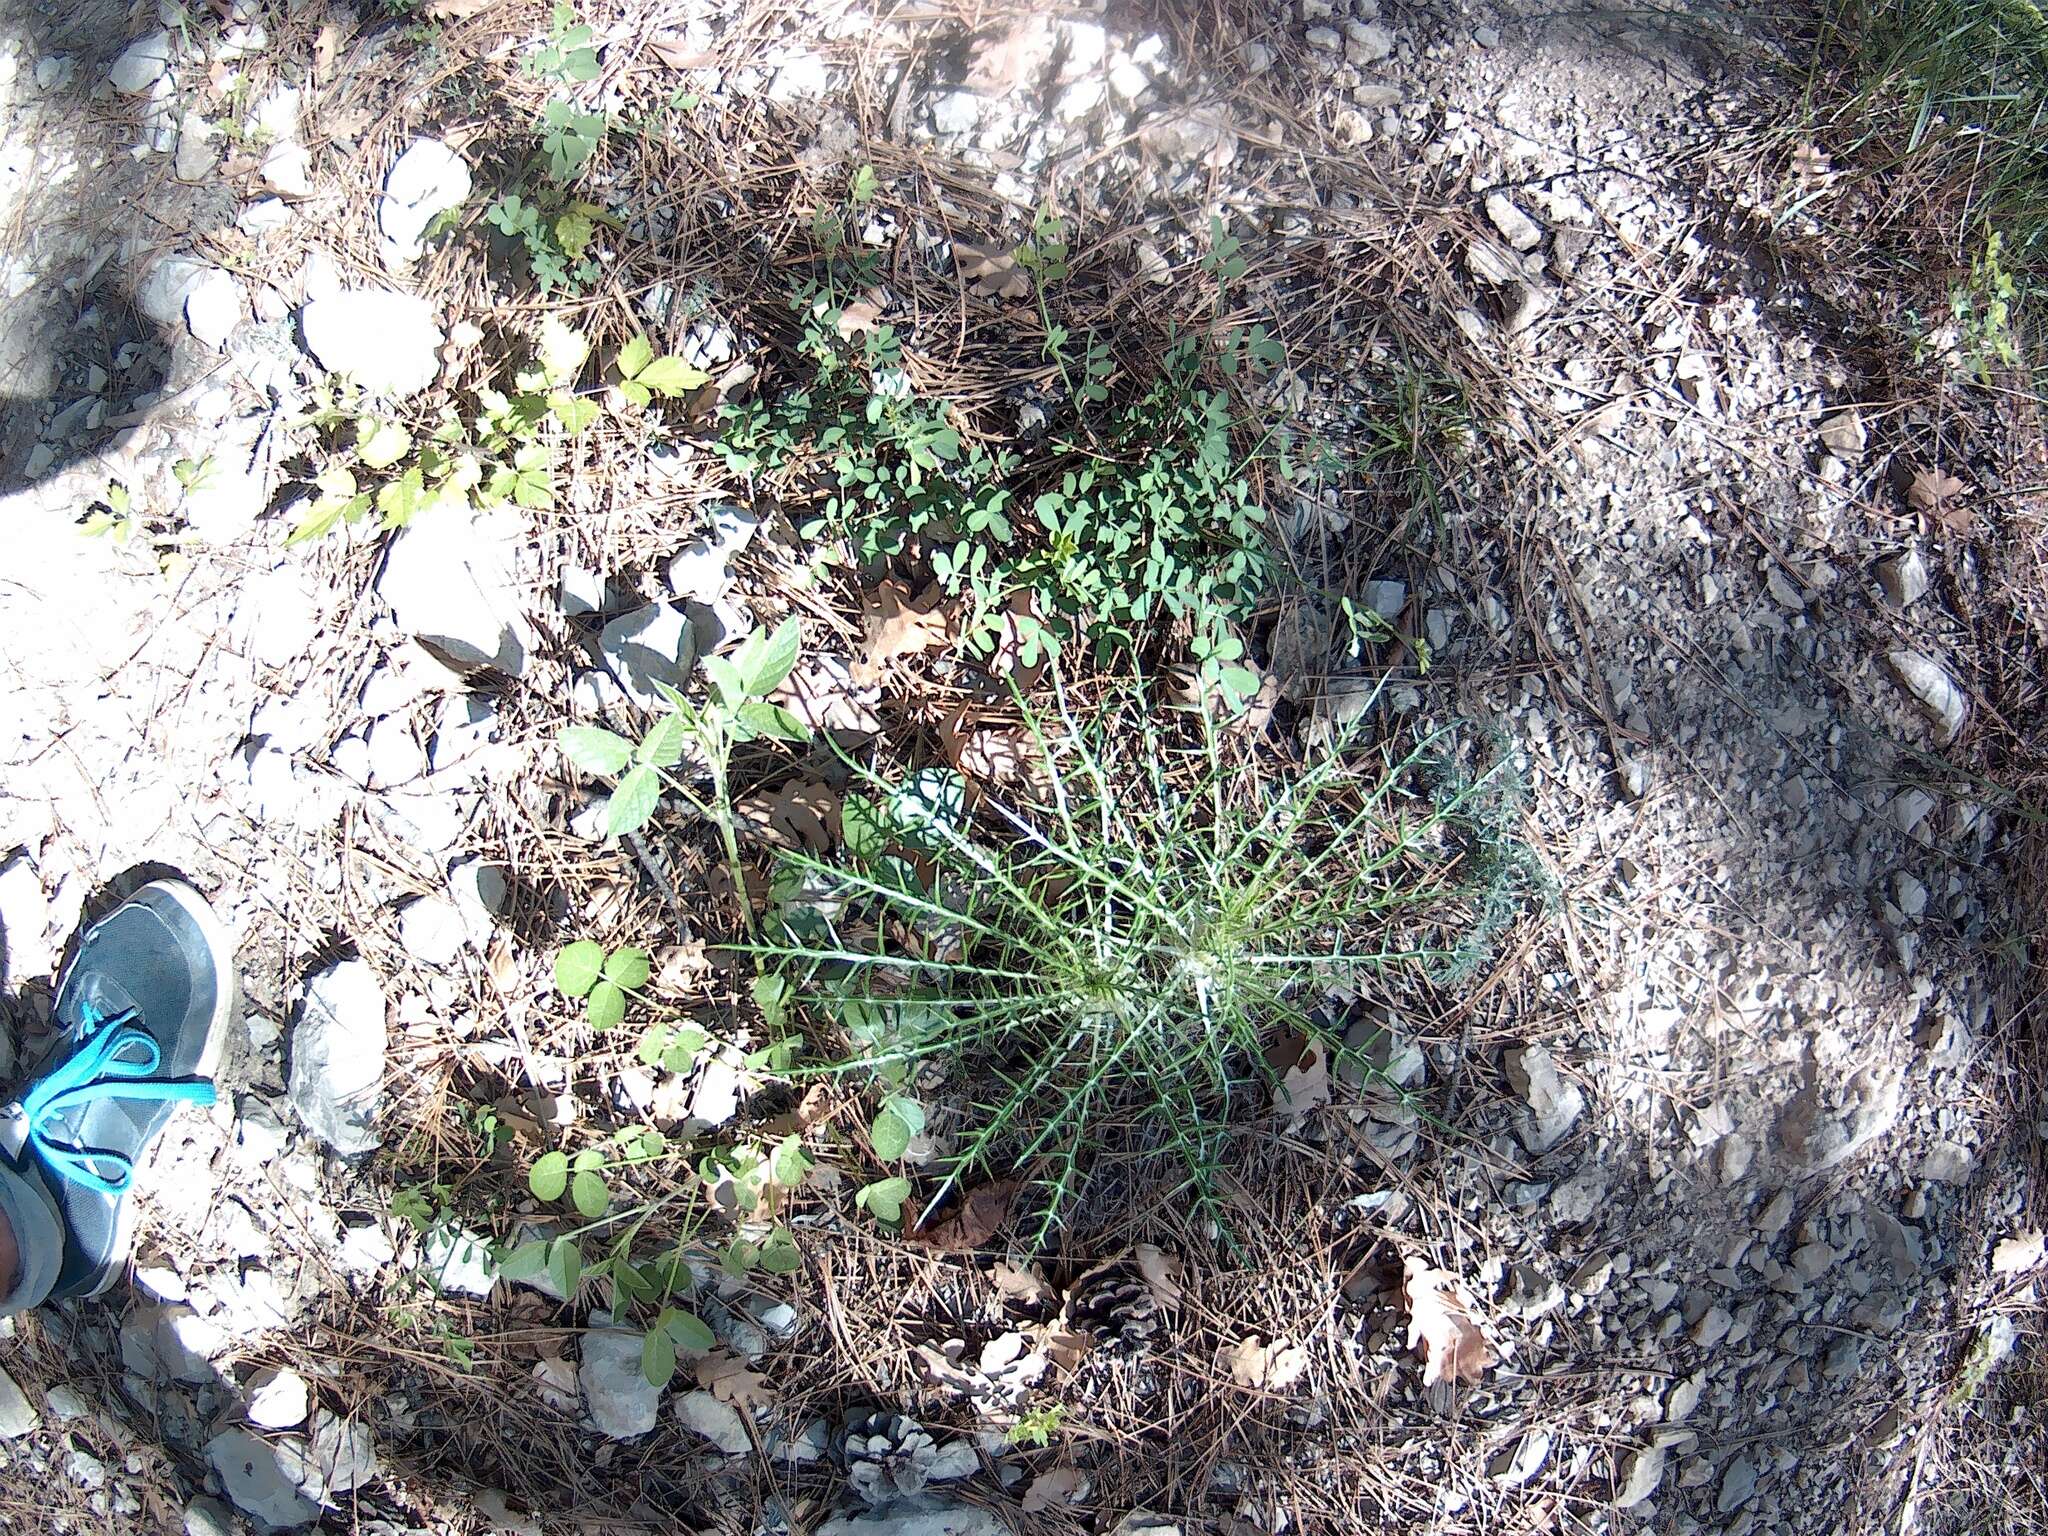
pixel 578 966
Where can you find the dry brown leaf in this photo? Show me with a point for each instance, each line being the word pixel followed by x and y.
pixel 1008 60
pixel 454 10
pixel 797 816
pixel 1304 1082
pixel 726 1377
pixel 1939 494
pixel 1007 660
pixel 678 52
pixel 858 318
pixel 1809 164
pixel 822 693
pixel 975 1218
pixel 991 754
pixel 1162 1273
pixel 1266 1367
pixel 896 627
pixel 811 1109
pixel 326 48
pixel 1025 1285
pixel 1440 1321
pixel 2016 1255
pixel 948 1368
pixel 681 968
pixel 674 1093
pixel 992 270
pixel 504 962
pixel 1063 1347
pixel 1187 689
pixel 1062 1485
pixel 556 1379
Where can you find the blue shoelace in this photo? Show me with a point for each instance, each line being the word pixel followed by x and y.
pixel 114 1061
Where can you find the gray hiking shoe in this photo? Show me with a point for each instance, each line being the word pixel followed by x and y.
pixel 144 1007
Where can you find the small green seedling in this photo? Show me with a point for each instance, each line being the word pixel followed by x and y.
pixel 603 981
pixel 504 453
pixel 568 138
pixel 570 53
pixel 118 517
pixel 900 1120
pixel 884 1198
pixel 642 375
pixel 738 710
pixel 196 475
pixel 673 1048
pixel 1037 1427
pixel 776 1254
pixel 553 1174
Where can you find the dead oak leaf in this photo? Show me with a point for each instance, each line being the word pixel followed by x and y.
pixel 797 817
pixel 2018 1254
pixel 894 627
pixel 1939 494
pixel 1012 58
pixel 726 1377
pixel 1162 1272
pixel 1062 1485
pixel 992 270
pixel 1018 632
pixel 821 692
pixel 858 318
pixel 1810 164
pixel 1022 1285
pixel 679 52
pixel 1064 1347
pixel 997 754
pixel 1304 1076
pixel 326 48
pixel 975 1218
pixel 1442 1324
pixel 812 1109
pixel 1263 1367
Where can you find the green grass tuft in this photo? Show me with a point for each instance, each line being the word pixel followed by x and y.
pixel 1956 92
pixel 1117 946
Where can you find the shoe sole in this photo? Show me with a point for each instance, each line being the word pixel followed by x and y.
pixel 220 948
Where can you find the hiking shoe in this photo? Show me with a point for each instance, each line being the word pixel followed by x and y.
pixel 144 1009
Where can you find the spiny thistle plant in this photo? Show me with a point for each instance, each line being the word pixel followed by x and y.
pixel 1115 943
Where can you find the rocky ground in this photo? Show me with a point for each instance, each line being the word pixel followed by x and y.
pixel 1732 1148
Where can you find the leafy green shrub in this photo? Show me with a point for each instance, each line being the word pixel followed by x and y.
pixel 555 229
pixel 1152 523
pixel 504 453
pixel 1119 946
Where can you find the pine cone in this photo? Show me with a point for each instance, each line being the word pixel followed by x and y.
pixel 890 1456
pixel 1118 1307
